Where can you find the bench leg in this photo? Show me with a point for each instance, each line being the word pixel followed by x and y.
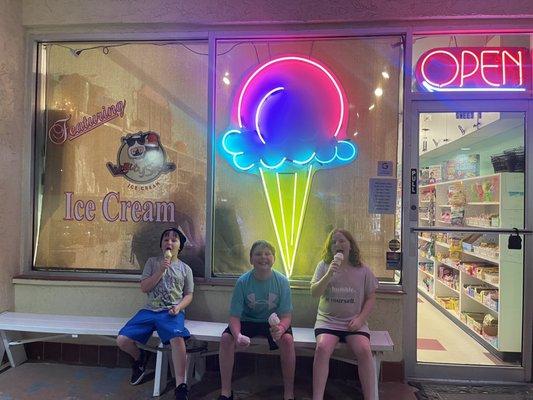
pixel 161 370
pixel 2 351
pixel 189 369
pixel 377 365
pixel 15 354
pixel 195 368
pixel 199 368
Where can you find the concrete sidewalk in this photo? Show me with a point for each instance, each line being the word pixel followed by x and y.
pixel 75 382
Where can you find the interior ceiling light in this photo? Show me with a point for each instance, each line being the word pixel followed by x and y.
pixel 378 92
pixel 385 75
pixel 371 107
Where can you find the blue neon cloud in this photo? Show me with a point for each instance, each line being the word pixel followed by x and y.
pixel 247 153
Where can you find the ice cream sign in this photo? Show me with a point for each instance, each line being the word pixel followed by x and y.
pixel 474 69
pixel 288 121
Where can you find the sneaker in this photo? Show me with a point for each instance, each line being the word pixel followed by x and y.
pixel 138 369
pixel 222 397
pixel 181 392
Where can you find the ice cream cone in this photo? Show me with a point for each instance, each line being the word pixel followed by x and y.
pixel 273 319
pixel 338 258
pixel 287 195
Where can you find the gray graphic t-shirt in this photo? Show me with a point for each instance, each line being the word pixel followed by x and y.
pixel 344 297
pixel 175 283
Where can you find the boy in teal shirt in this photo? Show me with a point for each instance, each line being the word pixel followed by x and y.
pixel 258 294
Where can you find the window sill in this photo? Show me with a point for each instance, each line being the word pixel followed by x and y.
pixel 133 281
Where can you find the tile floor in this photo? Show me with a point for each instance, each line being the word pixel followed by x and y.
pixel 440 340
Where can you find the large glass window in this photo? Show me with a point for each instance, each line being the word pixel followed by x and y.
pixel 120 153
pixel 281 108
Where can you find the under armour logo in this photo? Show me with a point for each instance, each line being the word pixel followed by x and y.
pixel 271 302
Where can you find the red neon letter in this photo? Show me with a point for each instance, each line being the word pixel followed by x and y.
pixel 463 66
pixel 433 53
pixel 517 61
pixel 484 65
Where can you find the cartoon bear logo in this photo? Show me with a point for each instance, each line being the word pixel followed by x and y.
pixel 141 158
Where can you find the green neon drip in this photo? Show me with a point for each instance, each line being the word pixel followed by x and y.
pixel 287 201
pixel 265 189
pixel 293 207
pixel 285 239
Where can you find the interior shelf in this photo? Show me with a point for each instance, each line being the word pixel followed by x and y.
pixel 480 263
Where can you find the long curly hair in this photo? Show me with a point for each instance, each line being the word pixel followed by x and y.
pixel 355 253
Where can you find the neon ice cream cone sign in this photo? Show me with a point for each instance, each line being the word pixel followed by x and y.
pixel 288 113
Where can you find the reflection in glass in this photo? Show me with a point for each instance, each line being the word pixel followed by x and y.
pixel 121 155
pixel 337 197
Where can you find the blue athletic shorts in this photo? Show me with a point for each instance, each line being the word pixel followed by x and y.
pixel 145 322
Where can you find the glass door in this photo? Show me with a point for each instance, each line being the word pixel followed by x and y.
pixel 470 198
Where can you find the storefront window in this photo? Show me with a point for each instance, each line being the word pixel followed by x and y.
pixel 471 63
pixel 279 105
pixel 120 153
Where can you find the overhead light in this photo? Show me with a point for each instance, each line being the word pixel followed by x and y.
pixel 385 75
pixel 378 92
pixel 371 107
pixel 356 133
pixel 465 148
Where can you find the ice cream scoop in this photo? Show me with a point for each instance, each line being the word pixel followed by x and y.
pixel 338 258
pixel 273 320
pixel 168 254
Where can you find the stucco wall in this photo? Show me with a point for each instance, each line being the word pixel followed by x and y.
pixel 208 12
pixel 11 131
pixel 211 303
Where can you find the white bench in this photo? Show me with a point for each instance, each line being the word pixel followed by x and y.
pixel 12 324
pixel 304 343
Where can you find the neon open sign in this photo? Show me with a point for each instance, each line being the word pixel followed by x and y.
pixel 474 69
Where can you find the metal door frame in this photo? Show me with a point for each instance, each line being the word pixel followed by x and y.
pixel 456 372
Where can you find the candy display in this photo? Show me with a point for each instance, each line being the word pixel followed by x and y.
pixel 474 275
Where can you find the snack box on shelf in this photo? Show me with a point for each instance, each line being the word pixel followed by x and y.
pixel 469 240
pixel 473 320
pixel 487 272
pixel 449 303
pixel 426 266
pixel 491 276
pixel 486 248
pixel 490 302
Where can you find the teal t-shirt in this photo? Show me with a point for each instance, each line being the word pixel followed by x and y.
pixel 254 300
